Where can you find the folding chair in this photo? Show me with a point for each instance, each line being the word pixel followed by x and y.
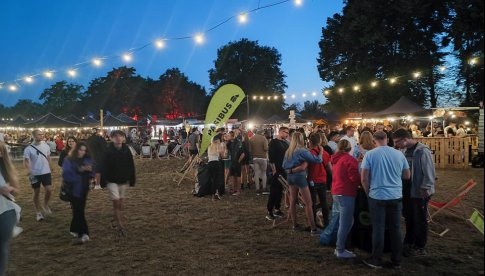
pixel 175 152
pixel 146 152
pixel 162 152
pixel 456 200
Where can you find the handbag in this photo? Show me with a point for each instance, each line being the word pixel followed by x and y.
pixel 65 193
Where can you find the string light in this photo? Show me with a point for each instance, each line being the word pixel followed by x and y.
pixel 341 90
pixel 97 62
pixel 255 97
pixel 275 97
pixel 314 94
pixel 243 17
pixel 48 74
pixel 393 80
pixel 473 61
pixel 298 2
pixel 72 73
pixel 374 84
pixel 356 88
pixel 261 98
pixel 160 44
pixel 127 57
pixel 28 79
pixel 12 87
pixel 199 38
pixel 304 95
pixel 416 75
pixel 293 96
pixel 269 97
pixel 326 92
pixel 443 68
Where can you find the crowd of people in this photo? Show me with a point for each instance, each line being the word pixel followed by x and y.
pixel 396 172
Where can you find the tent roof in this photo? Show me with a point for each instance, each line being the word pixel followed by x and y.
pixel 17 121
pixel 125 118
pixel 51 121
pixel 74 119
pixel 111 121
pixel 275 119
pixel 402 106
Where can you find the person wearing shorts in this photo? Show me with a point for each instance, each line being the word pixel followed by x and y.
pixel 37 163
pixel 119 174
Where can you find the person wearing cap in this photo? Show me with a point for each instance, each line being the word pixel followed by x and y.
pixel 119 173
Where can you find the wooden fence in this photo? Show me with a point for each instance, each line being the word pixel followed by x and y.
pixel 451 152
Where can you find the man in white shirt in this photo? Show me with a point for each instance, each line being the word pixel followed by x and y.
pixel 37 163
pixel 350 130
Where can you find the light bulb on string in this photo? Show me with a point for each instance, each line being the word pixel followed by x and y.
pixel 393 80
pixel 442 68
pixel 298 2
pixel 356 88
pixel 48 74
pixel 29 79
pixel 13 87
pixel 127 57
pixel 261 97
pixel 275 97
pixel 160 43
pixel 314 94
pixel 374 84
pixel 243 18
pixel 255 97
pixel 199 38
pixel 341 90
pixel 293 96
pixel 416 75
pixel 97 62
pixel 473 61
pixel 72 73
pixel 304 95
pixel 269 97
pixel 284 97
pixel 326 92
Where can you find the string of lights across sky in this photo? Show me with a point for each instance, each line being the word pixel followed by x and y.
pixel 199 39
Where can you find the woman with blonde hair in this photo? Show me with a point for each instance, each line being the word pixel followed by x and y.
pixel 294 163
pixel 9 210
pixel 366 143
pixel 215 153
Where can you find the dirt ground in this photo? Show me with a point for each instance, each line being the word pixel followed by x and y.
pixel 172 232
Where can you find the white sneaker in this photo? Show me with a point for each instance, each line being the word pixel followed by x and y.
pixel 16 231
pixel 344 255
pixel 85 238
pixel 47 211
pixel 39 217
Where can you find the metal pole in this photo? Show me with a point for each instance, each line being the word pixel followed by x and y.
pixel 101 119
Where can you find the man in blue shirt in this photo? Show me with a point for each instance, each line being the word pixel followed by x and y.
pixel 383 169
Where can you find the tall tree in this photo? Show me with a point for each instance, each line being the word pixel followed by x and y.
pixel 120 91
pixel 254 68
pixel 467 32
pixel 312 110
pixel 61 98
pixel 379 40
pixel 26 108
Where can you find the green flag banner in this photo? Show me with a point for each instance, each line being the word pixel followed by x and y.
pixel 222 106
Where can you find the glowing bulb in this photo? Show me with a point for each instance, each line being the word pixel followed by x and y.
pixel 341 90
pixel 467 123
pixel 374 84
pixel 416 75
pixel 28 79
pixel 393 80
pixel 243 17
pixel 12 87
pixel 199 38
pixel 453 116
pixel 304 95
pixel 443 68
pixel 48 74
pixel 356 88
pixel 327 92
pixel 473 61
pixel 269 97
pixel 261 98
pixel 255 97
pixel 127 57
pixel 275 97
pixel 160 44
pixel 97 62
pixel 293 96
pixel 298 2
pixel 314 94
pixel 72 73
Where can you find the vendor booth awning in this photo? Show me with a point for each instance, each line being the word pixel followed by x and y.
pixel 74 119
pixel 50 121
pixel 401 107
pixel 111 121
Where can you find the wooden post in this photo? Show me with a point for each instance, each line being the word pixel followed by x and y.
pixel 101 119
